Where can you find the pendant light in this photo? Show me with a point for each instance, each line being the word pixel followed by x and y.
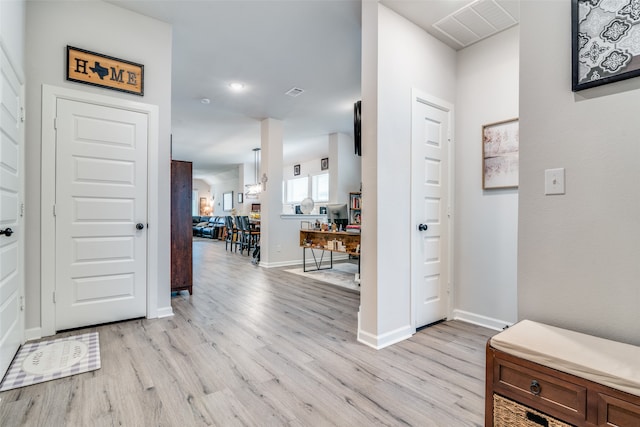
pixel 253 190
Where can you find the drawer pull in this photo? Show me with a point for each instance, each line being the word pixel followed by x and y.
pixel 535 387
pixel 537 419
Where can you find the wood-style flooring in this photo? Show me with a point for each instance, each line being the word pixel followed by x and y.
pixel 262 347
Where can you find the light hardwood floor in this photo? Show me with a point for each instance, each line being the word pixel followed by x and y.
pixel 258 347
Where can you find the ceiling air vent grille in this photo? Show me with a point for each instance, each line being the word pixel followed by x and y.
pixel 294 91
pixel 476 21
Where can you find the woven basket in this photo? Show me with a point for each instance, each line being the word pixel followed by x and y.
pixel 507 413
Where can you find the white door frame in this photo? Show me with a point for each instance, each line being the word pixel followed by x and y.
pixel 418 96
pixel 50 96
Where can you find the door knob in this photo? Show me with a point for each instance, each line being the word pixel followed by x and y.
pixel 423 227
pixel 7 232
pixel 139 226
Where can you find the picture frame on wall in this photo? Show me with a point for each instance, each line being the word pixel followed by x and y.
pixel 604 42
pixel 227 201
pixel 324 164
pixel 296 170
pixel 500 154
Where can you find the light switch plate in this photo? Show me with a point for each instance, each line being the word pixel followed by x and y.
pixel 554 181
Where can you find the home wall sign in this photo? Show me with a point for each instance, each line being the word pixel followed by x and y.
pixel 605 41
pixel 105 71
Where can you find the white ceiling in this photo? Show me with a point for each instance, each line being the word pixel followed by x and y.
pixel 271 46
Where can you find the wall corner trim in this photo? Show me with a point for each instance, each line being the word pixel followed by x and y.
pixel 32 334
pixel 381 341
pixel 164 312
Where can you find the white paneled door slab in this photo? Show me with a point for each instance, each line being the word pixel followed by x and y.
pixel 100 213
pixel 11 230
pixel 430 222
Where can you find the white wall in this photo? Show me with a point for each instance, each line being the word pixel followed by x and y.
pixel 104 28
pixel 345 168
pixel 221 187
pixel 578 253
pixel 397 56
pixel 203 189
pixel 486 222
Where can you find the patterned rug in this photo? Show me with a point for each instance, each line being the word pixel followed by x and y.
pixel 342 274
pixel 49 360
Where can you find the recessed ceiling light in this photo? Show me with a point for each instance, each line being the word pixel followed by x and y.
pixel 205 101
pixel 237 86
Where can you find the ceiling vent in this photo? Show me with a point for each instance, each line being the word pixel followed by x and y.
pixel 294 91
pixel 478 20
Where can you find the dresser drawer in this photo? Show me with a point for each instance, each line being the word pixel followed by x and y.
pixel 616 412
pixel 540 390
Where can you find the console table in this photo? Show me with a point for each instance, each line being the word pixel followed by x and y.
pixel 329 241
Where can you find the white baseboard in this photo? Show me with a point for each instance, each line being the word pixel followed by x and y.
pixel 381 341
pixel 164 312
pixel 32 334
pixel 480 320
pixel 279 264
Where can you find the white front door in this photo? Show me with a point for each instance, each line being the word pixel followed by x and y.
pixel 12 237
pixel 100 213
pixel 430 204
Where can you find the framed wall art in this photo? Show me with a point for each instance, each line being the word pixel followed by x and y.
pixel 500 155
pixel 605 41
pixel 296 170
pixel 227 201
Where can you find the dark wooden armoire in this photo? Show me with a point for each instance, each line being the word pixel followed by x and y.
pixel 181 227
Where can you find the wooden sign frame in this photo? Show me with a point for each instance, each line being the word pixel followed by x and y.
pixel 95 69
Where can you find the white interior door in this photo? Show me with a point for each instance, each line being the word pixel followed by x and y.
pixel 12 237
pixel 430 204
pixel 101 214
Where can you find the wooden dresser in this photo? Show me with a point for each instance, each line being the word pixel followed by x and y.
pixel 181 227
pixel 520 392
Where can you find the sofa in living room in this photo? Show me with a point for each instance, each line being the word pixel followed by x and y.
pixel 208 226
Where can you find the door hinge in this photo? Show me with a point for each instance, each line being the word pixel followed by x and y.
pixel 21 209
pixel 55 123
pixel 21 303
pixel 54 297
pixel 54 210
pixel 21 114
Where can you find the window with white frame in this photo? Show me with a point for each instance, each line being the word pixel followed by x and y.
pixel 297 189
pixel 320 187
